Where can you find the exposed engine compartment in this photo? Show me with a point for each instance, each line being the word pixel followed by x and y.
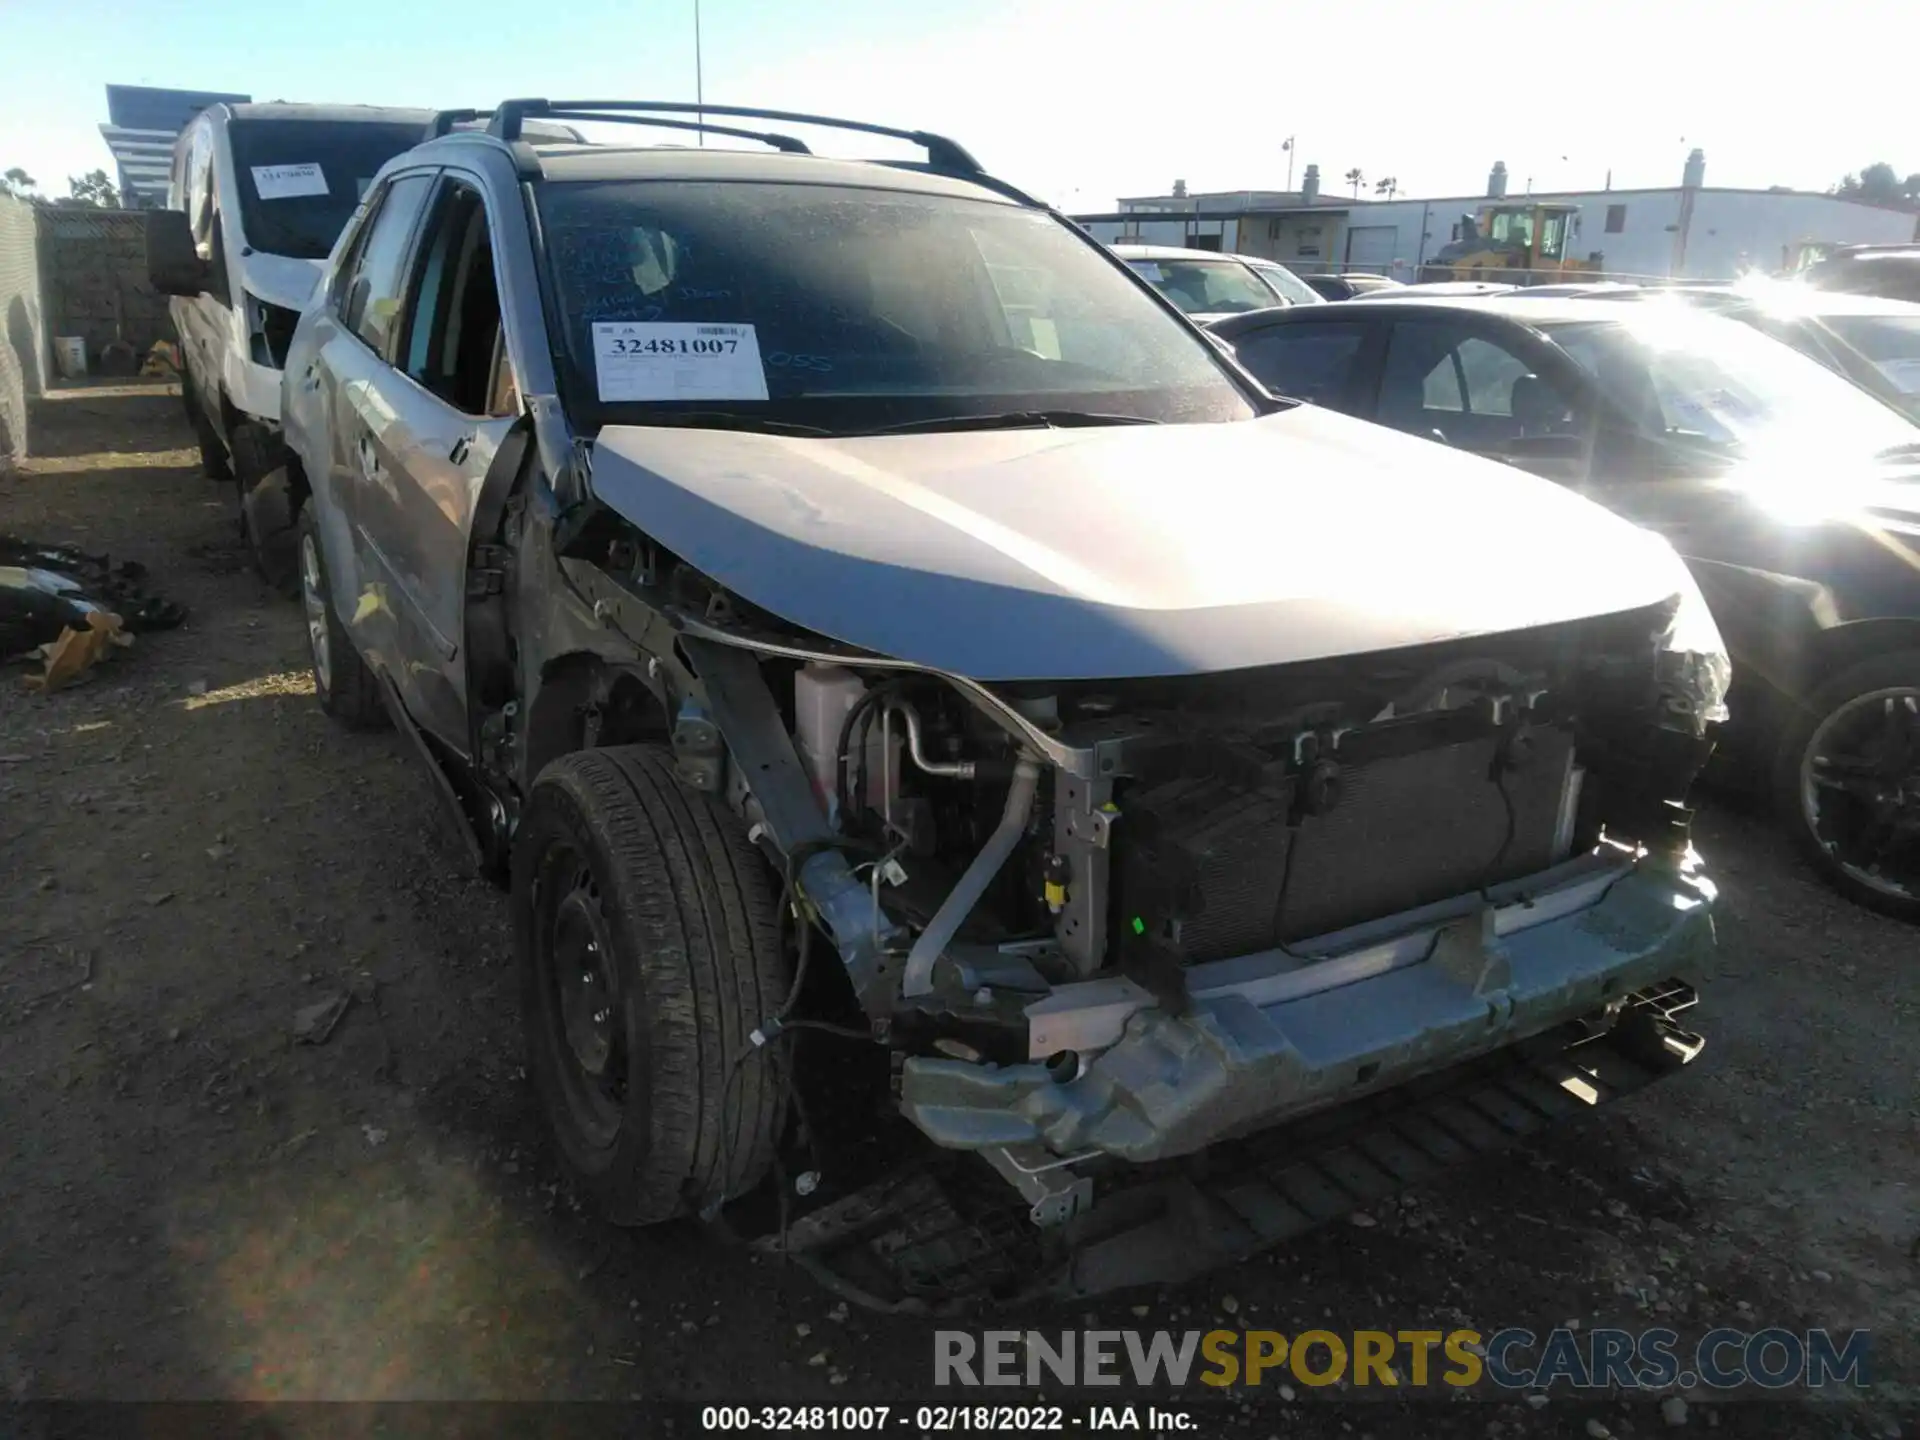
pixel 1098 926
pixel 1229 815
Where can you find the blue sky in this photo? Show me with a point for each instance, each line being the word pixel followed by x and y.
pixel 1078 100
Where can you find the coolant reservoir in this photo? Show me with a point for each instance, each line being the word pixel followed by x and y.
pixel 822 696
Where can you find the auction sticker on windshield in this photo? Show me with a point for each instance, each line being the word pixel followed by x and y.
pixel 661 360
pixel 289 182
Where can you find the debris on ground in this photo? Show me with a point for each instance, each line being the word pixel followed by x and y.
pixel 71 610
pixel 72 653
pixel 162 361
pixel 313 1024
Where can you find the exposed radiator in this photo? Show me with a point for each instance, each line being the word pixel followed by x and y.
pixel 1201 860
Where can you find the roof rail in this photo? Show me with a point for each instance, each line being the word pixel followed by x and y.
pixel 444 121
pixel 942 153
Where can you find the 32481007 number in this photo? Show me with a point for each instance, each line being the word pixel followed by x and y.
pixel 828 1418
pixel 623 346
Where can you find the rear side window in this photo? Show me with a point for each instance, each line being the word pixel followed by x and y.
pixel 1305 362
pixel 372 303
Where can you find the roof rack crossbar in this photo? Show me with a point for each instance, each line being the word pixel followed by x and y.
pixel 944 154
pixel 784 143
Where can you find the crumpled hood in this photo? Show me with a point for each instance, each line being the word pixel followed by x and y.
pixel 1129 550
pixel 283 280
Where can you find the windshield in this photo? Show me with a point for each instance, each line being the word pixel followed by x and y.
pixel 1292 288
pixel 1891 343
pixel 301 179
pixel 848 309
pixel 1206 287
pixel 1712 384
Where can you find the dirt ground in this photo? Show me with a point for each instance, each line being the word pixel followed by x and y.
pixel 194 1206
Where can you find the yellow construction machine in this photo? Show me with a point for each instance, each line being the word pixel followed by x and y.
pixel 1523 243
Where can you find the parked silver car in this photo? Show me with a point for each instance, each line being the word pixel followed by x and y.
pixel 939 717
pixel 1208 285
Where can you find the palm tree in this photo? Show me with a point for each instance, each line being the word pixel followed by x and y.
pixel 1356 179
pixel 1388 187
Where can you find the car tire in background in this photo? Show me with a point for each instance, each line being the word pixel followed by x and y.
pixel 647 930
pixel 267 506
pixel 346 687
pixel 1847 780
pixel 213 453
pixel 270 524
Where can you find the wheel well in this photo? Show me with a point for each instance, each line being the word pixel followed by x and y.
pixel 585 702
pixel 1841 646
pixel 298 489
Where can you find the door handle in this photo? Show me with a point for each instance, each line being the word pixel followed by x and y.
pixel 311 380
pixel 461 448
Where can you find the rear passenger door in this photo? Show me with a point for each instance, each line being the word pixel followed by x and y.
pixel 1324 362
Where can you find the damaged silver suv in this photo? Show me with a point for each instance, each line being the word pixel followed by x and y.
pixel 994 802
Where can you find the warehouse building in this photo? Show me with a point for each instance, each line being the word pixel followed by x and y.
pixel 1690 231
pixel 142 124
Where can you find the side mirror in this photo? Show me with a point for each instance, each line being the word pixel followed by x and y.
pixel 174 266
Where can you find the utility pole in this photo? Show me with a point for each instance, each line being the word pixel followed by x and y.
pixel 1287 145
pixel 699 75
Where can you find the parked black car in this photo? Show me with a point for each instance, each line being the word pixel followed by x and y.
pixel 1795 497
pixel 1873 342
pixel 1890 271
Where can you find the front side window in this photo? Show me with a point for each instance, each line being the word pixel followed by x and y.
pixel 198 199
pixel 1206 287
pixel 846 309
pixel 372 297
pixel 453 308
pixel 301 180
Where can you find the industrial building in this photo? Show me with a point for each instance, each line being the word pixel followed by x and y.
pixel 142 124
pixel 1689 231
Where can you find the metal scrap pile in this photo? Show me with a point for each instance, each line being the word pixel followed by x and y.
pixel 71 610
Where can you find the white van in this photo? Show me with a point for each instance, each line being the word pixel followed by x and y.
pixel 258 195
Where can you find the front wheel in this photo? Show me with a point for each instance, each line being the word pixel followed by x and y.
pixel 646 926
pixel 1847 780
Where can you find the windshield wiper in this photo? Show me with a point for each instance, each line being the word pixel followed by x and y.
pixel 732 420
pixel 1899 452
pixel 1009 420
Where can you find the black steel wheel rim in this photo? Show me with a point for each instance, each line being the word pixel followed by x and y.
pixel 584 1011
pixel 1860 789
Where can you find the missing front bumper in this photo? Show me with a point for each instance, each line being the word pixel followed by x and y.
pixel 939 1236
pixel 1267 1039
